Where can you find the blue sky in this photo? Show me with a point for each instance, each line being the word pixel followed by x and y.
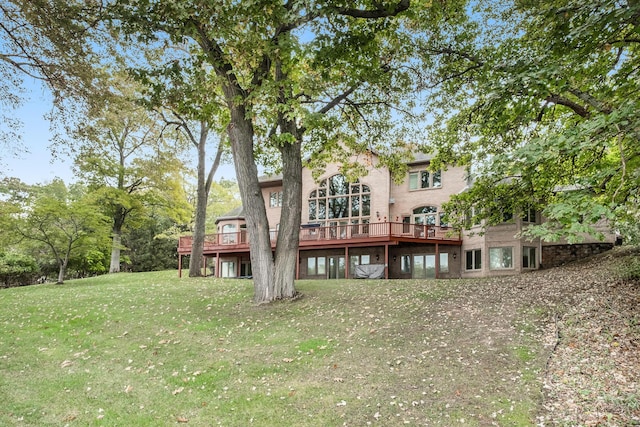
pixel 35 165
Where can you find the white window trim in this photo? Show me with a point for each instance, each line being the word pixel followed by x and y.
pixel 474 259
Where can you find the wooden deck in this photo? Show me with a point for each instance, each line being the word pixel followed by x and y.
pixel 315 237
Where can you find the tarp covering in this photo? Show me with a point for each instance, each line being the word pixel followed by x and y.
pixel 369 271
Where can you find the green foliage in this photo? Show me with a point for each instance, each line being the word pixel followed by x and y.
pixel 57 224
pixel 224 196
pixel 149 247
pixel 49 41
pixel 17 269
pixel 544 94
pixel 93 261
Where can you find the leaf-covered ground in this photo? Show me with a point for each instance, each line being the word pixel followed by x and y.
pixel 592 376
pixel 550 348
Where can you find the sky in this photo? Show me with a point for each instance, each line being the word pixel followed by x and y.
pixel 35 164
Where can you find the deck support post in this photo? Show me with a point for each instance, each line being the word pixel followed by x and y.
pixel 217 274
pixel 346 262
pixel 386 261
pixel 437 262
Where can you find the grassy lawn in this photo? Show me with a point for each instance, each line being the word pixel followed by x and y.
pixel 150 349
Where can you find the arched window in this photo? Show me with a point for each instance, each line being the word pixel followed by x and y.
pixel 425 215
pixel 336 198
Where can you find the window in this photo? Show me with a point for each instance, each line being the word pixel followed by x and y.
pixel 245 269
pixel 529 215
pixel 316 266
pixel 425 179
pixel 335 198
pixel 471 218
pixel 275 199
pixel 529 257
pixel 503 209
pixel 358 260
pixel 473 259
pixel 273 232
pixel 437 179
pixel 500 258
pixel 444 262
pixel 444 222
pixel 229 235
pixel 425 215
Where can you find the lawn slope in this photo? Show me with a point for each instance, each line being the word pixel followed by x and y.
pixel 149 349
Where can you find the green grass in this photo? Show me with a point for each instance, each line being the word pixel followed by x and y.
pixel 150 349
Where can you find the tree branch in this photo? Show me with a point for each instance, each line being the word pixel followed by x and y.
pixel 577 108
pixel 222 67
pixel 338 99
pixel 584 96
pixel 379 12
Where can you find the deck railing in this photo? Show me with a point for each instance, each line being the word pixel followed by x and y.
pixel 310 233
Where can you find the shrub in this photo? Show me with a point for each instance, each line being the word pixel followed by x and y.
pixel 17 269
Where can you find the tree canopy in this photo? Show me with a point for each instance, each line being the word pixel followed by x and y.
pixel 318 77
pixel 61 223
pixel 130 162
pixel 540 100
pixel 49 41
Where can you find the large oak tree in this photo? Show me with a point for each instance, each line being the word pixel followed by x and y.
pixel 318 72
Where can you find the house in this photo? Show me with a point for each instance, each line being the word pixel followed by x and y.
pixel 377 228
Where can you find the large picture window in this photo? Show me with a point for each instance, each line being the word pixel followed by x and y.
pixel 424 266
pixel 316 266
pixel 500 258
pixel 227 269
pixel 337 198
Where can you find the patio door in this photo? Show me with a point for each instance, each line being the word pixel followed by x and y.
pixel 336 267
pixel 424 266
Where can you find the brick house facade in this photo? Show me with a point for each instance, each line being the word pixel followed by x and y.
pixel 378 228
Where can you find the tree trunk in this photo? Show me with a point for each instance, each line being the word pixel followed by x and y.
pixel 197 246
pixel 116 240
pixel 289 232
pixel 116 244
pixel 241 137
pixel 62 270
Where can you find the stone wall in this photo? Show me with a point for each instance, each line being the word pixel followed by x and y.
pixel 553 256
